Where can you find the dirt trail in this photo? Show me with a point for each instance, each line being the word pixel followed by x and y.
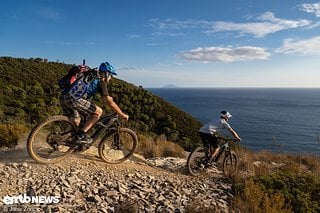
pixel 83 183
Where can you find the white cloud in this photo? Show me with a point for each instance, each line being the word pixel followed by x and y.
pixel 225 54
pixel 302 47
pixel 269 24
pixel 314 25
pixel 125 68
pixel 312 8
pixel 257 29
pixel 172 24
pixel 264 24
pixel 70 43
pixel 153 44
pixel 160 34
pixel 134 36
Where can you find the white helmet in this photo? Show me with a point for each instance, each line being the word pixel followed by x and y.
pixel 225 114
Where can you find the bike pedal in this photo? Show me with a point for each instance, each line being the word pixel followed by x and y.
pixel 81 148
pixel 211 163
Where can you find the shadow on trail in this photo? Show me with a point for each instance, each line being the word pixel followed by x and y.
pixel 180 168
pixel 15 155
pixel 19 154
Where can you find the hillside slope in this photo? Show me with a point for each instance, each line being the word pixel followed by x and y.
pixel 30 94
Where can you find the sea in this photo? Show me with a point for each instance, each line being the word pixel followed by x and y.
pixel 285 120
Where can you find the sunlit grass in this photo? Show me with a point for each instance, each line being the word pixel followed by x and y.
pixel 276 182
pixel 151 147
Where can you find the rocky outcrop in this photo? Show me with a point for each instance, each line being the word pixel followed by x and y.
pixel 84 184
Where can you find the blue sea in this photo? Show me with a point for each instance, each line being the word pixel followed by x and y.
pixel 277 120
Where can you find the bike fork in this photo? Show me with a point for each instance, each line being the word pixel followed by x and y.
pixel 116 139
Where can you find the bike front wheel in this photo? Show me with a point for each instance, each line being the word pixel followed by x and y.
pixel 48 141
pixel 118 146
pixel 196 162
pixel 230 163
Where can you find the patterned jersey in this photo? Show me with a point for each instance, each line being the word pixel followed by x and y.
pixel 96 87
pixel 87 86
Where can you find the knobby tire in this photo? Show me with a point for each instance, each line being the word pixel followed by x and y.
pixel 114 153
pixel 37 131
pixel 194 164
pixel 230 163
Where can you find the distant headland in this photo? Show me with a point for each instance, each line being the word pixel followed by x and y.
pixel 170 86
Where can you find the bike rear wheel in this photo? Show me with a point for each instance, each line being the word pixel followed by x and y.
pixel 118 146
pixel 230 163
pixel 197 161
pixel 48 141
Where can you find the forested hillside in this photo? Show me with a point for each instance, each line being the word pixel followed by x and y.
pixel 30 93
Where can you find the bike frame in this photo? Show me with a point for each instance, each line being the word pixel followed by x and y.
pixel 104 125
pixel 224 148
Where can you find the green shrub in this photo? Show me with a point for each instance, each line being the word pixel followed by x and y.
pixel 10 133
pixel 301 190
pixel 261 174
pixel 252 198
pixel 273 193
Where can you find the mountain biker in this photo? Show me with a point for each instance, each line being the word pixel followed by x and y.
pixel 210 132
pixel 73 103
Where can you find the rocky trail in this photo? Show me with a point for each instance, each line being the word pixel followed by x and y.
pixel 83 183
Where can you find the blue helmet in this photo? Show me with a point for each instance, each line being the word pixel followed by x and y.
pixel 106 67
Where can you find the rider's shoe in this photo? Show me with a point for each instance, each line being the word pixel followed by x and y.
pixel 83 139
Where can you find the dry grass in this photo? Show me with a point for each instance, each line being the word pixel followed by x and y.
pixel 255 200
pixel 263 162
pixel 159 147
pixel 254 167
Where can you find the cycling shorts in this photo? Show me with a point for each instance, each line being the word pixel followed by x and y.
pixel 209 140
pixel 72 106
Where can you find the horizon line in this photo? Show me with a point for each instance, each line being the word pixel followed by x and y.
pixel 233 87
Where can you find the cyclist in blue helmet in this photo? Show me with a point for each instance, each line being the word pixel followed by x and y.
pixel 76 99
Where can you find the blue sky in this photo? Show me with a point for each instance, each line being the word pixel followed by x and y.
pixel 188 43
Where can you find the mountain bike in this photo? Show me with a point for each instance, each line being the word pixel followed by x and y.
pixel 55 138
pixel 198 161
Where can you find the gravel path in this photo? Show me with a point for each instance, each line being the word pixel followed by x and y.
pixel 82 183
